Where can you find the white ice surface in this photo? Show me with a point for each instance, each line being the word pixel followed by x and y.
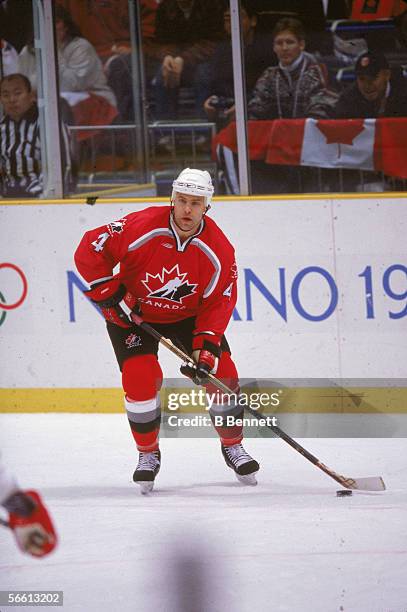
pixel 201 541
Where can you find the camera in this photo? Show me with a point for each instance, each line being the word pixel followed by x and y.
pixel 221 103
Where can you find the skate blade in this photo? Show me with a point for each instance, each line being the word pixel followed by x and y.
pixel 146 486
pixel 247 479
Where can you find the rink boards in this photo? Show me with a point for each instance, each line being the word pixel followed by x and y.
pixel 322 295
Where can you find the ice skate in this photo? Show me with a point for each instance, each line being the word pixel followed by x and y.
pixel 147 469
pixel 244 466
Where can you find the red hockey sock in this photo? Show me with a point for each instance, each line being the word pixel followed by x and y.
pixel 142 379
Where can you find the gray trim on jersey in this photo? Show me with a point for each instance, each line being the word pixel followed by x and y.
pixel 162 231
pixel 159 231
pixel 215 262
pixel 100 280
pixel 208 333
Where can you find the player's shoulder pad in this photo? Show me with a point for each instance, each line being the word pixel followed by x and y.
pixel 215 237
pixel 148 218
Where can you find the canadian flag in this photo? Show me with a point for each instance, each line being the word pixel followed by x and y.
pixel 367 144
pixel 332 144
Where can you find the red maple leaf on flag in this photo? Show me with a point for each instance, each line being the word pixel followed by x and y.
pixel 341 131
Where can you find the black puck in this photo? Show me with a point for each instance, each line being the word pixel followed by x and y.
pixel 343 493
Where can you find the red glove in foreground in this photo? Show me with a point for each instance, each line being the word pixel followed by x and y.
pixel 31 523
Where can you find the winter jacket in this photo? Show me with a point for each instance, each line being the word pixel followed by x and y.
pixel 80 69
pixel 352 104
pixel 280 93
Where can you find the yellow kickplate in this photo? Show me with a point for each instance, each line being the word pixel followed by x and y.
pixel 351 400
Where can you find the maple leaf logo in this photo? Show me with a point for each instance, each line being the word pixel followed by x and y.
pixel 341 132
pixel 169 285
pixel 116 227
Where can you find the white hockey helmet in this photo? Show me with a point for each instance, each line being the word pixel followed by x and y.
pixel 194 182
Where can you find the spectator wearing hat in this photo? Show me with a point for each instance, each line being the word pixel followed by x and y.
pixel 377 92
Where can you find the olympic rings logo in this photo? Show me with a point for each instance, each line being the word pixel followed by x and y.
pixel 3 304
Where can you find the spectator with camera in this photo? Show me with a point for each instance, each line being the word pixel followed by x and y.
pixel 376 92
pixel 258 55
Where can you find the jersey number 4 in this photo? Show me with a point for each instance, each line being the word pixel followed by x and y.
pixel 99 243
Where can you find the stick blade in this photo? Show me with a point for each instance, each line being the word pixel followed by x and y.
pixel 372 483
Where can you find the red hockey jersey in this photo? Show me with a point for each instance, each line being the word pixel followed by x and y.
pixel 170 279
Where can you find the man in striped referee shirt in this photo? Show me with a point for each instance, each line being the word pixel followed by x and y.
pixel 20 149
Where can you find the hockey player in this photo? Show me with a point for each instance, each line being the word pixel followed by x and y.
pixel 28 517
pixel 178 270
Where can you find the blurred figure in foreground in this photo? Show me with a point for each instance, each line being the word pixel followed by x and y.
pixel 28 517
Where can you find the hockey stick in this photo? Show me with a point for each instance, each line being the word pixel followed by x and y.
pixel 373 483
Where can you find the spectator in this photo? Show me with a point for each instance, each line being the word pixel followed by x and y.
pixel 258 54
pixel 20 145
pixel 119 69
pixel 187 31
pixel 287 90
pixel 104 23
pixel 20 139
pixel 375 93
pixel 296 87
pixel 82 82
pixel 81 72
